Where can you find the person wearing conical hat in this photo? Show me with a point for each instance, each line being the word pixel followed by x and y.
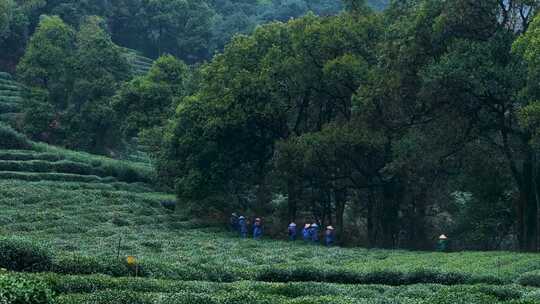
pixel 442 243
pixel 314 233
pixel 305 233
pixel 292 231
pixel 257 229
pixel 329 236
pixel 233 222
pixel 242 227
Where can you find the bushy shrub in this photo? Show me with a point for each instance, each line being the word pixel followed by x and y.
pixel 18 290
pixel 108 297
pixel 10 139
pixel 531 278
pixel 454 297
pixel 22 255
pixel 75 264
pixel 502 293
pixel 191 298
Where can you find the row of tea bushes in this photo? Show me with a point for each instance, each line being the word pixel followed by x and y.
pixel 18 290
pixel 100 289
pixel 20 254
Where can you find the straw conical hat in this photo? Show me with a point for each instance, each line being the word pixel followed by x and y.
pixel 443 237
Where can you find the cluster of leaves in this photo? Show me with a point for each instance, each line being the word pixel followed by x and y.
pixel 19 290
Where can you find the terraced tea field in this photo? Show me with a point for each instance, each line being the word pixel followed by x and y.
pixel 70 220
pixel 11 98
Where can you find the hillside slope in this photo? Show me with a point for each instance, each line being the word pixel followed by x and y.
pixel 75 217
pixel 11 98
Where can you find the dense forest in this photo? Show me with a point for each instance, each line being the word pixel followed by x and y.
pixel 395 125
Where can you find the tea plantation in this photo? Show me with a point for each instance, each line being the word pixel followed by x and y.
pixel 70 219
pixel 11 98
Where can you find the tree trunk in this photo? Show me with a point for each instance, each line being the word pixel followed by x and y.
pixel 293 196
pixel 340 197
pixel 417 230
pixel 371 231
pixel 389 219
pixel 527 209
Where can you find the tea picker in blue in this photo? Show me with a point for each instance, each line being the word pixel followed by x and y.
pixel 242 226
pixel 329 236
pixel 292 231
pixel 233 222
pixel 257 229
pixel 305 233
pixel 314 233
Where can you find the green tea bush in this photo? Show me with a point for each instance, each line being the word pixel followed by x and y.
pixel 25 155
pixel 19 254
pixel 107 297
pixel 454 297
pixel 10 139
pixel 328 299
pixel 343 276
pixel 61 177
pixel 17 290
pixel 188 298
pixel 502 293
pixel 75 264
pixel 531 278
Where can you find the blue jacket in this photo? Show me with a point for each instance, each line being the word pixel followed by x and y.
pixel 329 238
pixel 306 234
pixel 292 232
pixel 257 231
pixel 314 233
pixel 243 227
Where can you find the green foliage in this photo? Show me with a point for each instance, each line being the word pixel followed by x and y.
pixel 46 63
pixel 11 139
pixel 18 290
pixel 147 101
pixel 531 278
pixel 19 254
pixel 74 74
pixel 6 11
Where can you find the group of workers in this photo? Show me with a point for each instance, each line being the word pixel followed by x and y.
pixel 310 233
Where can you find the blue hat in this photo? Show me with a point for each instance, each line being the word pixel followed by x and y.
pixel 292 225
pixel 314 225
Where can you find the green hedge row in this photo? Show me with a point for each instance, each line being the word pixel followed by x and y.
pixel 42 162
pixel 19 254
pixel 9 107
pixel 385 277
pixel 62 284
pixel 11 99
pixel 40 166
pixel 10 139
pixel 66 166
pixel 18 290
pixel 531 278
pixel 244 295
pixel 17 155
pixel 62 177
